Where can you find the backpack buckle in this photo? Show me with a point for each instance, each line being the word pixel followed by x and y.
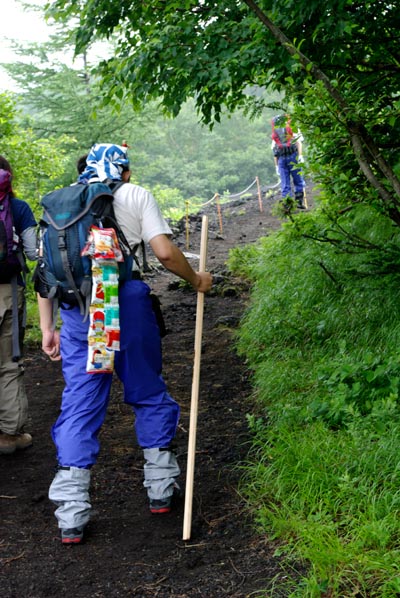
pixel 61 241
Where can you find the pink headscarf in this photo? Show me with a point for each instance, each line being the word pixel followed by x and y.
pixel 5 183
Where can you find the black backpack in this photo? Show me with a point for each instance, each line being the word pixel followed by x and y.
pixel 69 213
pixel 12 261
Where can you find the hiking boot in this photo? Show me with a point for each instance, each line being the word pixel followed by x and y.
pixel 165 505
pixel 74 535
pixel 23 441
pixel 299 197
pixel 9 443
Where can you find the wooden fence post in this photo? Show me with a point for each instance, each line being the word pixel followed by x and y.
pixel 219 212
pixel 187 225
pixel 259 194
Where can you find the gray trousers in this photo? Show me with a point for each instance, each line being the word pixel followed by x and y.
pixel 69 489
pixel 13 399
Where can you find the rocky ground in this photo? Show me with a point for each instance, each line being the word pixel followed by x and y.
pixel 128 551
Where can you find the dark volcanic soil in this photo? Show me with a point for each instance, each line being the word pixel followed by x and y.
pixel 128 551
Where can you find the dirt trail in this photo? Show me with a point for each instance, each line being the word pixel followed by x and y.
pixel 128 551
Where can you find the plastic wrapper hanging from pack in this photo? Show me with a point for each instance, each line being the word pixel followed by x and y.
pixel 104 326
pixel 102 245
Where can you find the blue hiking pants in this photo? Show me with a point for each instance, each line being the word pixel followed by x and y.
pixel 290 169
pixel 138 365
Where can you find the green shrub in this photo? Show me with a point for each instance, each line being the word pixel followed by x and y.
pixel 321 337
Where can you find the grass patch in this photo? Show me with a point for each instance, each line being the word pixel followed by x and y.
pixel 321 337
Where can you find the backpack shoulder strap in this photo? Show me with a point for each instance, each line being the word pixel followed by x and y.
pixel 67 269
pixel 114 185
pixel 16 349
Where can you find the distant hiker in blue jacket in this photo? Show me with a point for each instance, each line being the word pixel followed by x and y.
pixel 21 227
pixel 287 150
pixel 138 363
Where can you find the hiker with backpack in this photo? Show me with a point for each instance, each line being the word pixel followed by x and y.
pixel 17 240
pixel 287 150
pixel 138 363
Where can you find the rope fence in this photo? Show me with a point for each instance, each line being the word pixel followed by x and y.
pixel 232 196
pixel 226 199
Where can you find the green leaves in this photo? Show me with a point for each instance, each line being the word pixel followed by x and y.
pixel 357 387
pixel 34 161
pixel 332 59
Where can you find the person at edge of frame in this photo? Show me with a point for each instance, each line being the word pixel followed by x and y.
pixel 13 398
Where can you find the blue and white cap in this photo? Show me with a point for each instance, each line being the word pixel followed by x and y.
pixel 105 161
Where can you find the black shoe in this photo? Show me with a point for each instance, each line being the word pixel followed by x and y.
pixel 299 197
pixel 74 535
pixel 165 505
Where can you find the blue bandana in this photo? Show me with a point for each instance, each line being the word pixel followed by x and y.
pixel 105 161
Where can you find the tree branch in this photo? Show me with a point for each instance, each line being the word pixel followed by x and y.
pixel 359 135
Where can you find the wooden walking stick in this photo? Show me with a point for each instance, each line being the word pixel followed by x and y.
pixel 187 518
